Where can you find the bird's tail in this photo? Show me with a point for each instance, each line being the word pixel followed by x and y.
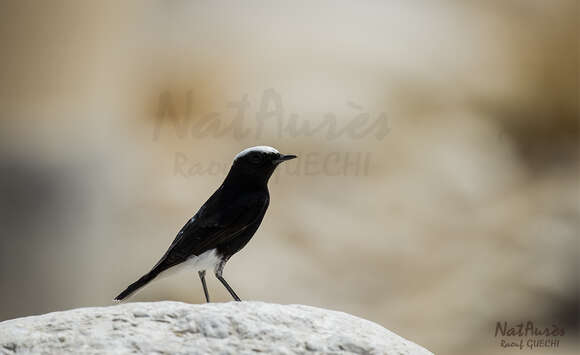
pixel 144 280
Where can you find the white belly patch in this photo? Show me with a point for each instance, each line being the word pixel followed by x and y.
pixel 206 261
pixel 209 260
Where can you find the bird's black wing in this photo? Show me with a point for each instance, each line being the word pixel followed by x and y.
pixel 220 219
pixel 214 224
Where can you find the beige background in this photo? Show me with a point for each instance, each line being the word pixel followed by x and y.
pixel 466 214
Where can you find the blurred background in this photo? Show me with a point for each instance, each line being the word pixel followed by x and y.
pixel 436 191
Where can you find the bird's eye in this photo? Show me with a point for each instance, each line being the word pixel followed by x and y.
pixel 256 158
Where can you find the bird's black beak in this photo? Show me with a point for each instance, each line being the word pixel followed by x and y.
pixel 284 158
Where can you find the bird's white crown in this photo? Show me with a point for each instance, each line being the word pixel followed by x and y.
pixel 258 148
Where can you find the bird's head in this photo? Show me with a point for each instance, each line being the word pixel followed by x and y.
pixel 258 162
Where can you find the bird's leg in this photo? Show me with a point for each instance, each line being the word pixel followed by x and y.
pixel 225 283
pixel 202 277
pixel 218 274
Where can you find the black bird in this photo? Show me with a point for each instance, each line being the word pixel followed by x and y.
pixel 225 223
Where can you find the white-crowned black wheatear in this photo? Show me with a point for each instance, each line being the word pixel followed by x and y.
pixel 225 223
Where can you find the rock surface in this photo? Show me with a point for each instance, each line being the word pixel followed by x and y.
pixel 215 328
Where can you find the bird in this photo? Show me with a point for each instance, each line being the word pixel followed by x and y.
pixel 224 224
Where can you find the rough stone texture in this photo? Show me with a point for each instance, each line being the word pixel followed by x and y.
pixel 215 328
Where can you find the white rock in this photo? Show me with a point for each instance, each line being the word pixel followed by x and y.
pixel 214 328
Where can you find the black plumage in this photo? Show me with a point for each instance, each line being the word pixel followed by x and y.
pixel 226 221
